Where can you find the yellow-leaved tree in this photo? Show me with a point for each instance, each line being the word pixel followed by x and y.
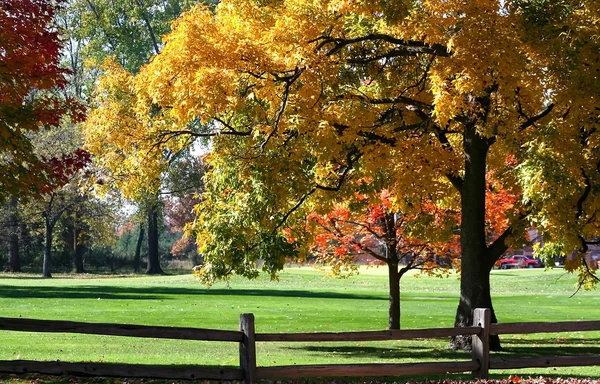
pixel 424 98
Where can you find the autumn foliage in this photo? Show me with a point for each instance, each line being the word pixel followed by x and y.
pixel 29 71
pixel 432 100
pixel 350 234
pixel 63 167
pixel 356 231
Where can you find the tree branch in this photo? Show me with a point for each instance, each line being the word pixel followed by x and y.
pixel 388 100
pixel 440 133
pixel 351 158
pixel 294 208
pixel 365 227
pixel 371 253
pixel 409 46
pixel 532 120
pixel 586 192
pixel 375 137
pixel 289 80
pixel 143 10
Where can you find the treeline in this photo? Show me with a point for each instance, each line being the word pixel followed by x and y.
pixel 60 211
pixel 89 236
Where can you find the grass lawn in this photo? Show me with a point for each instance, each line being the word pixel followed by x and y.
pixel 302 300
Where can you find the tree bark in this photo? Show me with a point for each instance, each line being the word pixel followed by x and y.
pixel 138 250
pixel 14 263
pixel 391 250
pixel 475 260
pixel 394 281
pixel 77 249
pixel 25 240
pixel 153 257
pixel 78 259
pixel 49 226
pixel 143 10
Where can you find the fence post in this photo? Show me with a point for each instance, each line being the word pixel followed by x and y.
pixel 248 348
pixel 480 343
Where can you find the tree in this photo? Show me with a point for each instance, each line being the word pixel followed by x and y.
pixel 130 30
pixel 30 82
pixel 302 97
pixel 373 229
pixel 138 249
pixel 86 223
pixel 29 71
pixel 183 186
pixel 115 145
pixel 370 228
pixel 59 200
pixel 129 33
pixel 12 224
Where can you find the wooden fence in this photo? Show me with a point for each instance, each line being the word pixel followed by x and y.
pixel 479 364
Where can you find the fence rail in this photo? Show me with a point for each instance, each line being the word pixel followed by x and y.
pixel 109 329
pixel 479 365
pixel 121 370
pixel 538 327
pixel 370 370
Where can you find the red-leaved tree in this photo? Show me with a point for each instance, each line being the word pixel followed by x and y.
pixel 29 75
pixel 374 232
pixel 364 229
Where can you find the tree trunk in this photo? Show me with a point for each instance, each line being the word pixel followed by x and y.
pixel 78 259
pixel 391 255
pixel 475 263
pixel 394 281
pixel 48 247
pixel 138 250
pixel 474 293
pixel 25 240
pixel 153 259
pixel 14 263
pixel 77 249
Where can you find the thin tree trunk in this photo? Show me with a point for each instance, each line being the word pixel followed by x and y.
pixel 475 264
pixel 48 247
pixel 153 257
pixel 25 240
pixel 138 250
pixel 391 250
pixel 151 33
pixel 77 249
pixel 14 263
pixel 78 260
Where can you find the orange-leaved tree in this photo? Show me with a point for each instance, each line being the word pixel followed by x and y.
pixel 372 231
pixel 364 229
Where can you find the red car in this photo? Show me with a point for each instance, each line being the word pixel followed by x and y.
pixel 518 261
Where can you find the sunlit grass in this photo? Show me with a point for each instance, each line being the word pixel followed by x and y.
pixel 301 301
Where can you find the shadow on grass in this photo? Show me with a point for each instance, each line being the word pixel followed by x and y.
pixel 427 353
pixel 154 293
pixel 546 350
pixel 513 343
pixel 396 353
pixel 505 274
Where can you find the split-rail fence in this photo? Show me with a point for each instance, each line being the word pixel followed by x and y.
pixel 479 364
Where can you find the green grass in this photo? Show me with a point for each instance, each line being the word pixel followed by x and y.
pixel 302 301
